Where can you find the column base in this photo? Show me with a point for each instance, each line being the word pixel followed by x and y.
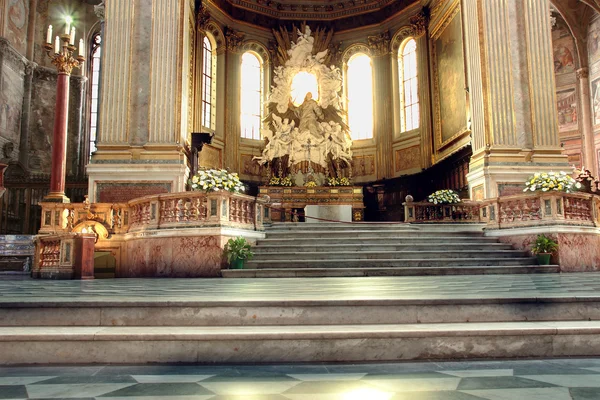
pixel 57 198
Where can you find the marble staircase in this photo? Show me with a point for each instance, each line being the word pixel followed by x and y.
pixel 382 249
pixel 292 320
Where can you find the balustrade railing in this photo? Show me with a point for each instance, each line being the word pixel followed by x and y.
pixel 165 211
pixel 426 212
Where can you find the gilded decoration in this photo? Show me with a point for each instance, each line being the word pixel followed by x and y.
pixel 450 100
pixel 379 44
pixel 408 158
pixel 234 39
pixel 355 49
pixel 401 35
pixel 202 18
pixel 217 35
pixel 284 40
pixel 419 22
pixel 210 157
pixel 363 165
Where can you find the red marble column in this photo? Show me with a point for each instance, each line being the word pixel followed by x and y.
pixel 59 142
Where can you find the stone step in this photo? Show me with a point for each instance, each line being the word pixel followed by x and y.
pixel 318 247
pixel 385 234
pixel 368 240
pixel 374 271
pixel 297 343
pixel 389 255
pixel 392 263
pixel 279 227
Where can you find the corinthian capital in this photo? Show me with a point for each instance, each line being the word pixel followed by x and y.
pixel 202 18
pixel 379 44
pixel 583 73
pixel 419 22
pixel 99 10
pixel 234 39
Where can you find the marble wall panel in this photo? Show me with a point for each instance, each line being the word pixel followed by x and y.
pixel 408 158
pixel 41 124
pixel 363 165
pixel 11 100
pixel 175 257
pixel 577 252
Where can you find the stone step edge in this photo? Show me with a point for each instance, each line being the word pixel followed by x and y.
pixel 412 238
pixel 253 261
pixel 295 332
pixel 296 253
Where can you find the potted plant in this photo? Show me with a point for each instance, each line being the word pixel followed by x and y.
pixel 543 248
pixel 237 251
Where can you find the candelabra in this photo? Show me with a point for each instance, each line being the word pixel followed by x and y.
pixel 61 54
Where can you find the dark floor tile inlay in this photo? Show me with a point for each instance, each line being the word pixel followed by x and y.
pixel 160 389
pixel 439 395
pixel 500 382
pixel 13 392
pixel 585 393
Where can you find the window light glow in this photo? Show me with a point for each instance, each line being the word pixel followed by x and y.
pixel 251 96
pixel 360 97
pixel 302 83
pixel 409 89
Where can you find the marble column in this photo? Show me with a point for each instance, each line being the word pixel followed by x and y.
pixel 510 74
pixel 232 108
pixel 382 110
pixel 588 148
pixel 59 141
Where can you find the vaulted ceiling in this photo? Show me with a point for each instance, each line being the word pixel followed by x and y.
pixel 342 14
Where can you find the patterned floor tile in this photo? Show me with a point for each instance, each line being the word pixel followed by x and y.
pixel 524 394
pixel 585 393
pixel 22 380
pixel 415 385
pixel 571 381
pixel 439 395
pixel 479 373
pixel 12 392
pixel 68 380
pixel 249 387
pixel 69 391
pixel 159 390
pixel 501 382
pixel 170 378
pixel 327 377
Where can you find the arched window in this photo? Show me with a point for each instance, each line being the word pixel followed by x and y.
pixel 208 84
pixel 251 96
pixel 409 85
pixel 94 90
pixel 360 97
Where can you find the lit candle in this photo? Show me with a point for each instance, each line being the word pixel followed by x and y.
pixel 57 45
pixel 72 40
pixel 49 35
pixel 81 49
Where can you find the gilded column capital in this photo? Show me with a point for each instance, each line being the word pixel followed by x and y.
pixel 234 39
pixel 419 22
pixel 583 73
pixel 202 18
pixel 379 44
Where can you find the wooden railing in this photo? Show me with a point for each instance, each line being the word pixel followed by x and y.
pixel 165 211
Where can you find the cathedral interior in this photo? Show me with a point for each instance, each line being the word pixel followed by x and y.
pixel 465 95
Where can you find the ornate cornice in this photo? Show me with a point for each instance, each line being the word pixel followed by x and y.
pixel 11 55
pixel 379 44
pixel 234 39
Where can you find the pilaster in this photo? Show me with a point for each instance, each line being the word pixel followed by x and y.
pixel 383 117
pixel 510 76
pixel 588 148
pixel 232 106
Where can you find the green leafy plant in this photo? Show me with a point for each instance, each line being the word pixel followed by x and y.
pixel 238 248
pixel 544 244
pixel 445 196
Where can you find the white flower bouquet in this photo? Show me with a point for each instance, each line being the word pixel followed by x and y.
pixel 547 181
pixel 214 180
pixel 445 196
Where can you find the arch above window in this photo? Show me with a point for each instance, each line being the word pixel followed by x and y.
pixel 251 95
pixel 359 84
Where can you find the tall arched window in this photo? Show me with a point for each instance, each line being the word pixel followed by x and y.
pixel 94 90
pixel 208 75
pixel 409 86
pixel 360 96
pixel 251 96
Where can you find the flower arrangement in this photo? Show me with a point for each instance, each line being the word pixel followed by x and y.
pixel 214 180
pixel 276 181
pixel 338 181
pixel 547 181
pixel 445 196
pixel 310 184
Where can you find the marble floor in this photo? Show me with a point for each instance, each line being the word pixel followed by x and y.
pixel 284 290
pixel 560 379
